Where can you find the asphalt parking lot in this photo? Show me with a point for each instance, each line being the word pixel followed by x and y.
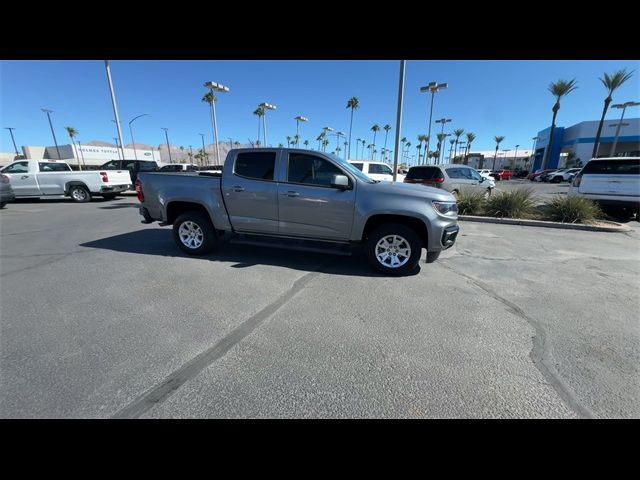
pixel 103 316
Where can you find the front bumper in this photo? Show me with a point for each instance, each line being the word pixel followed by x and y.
pixel 449 236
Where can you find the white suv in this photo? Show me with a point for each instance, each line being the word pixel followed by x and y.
pixel 376 170
pixel 612 182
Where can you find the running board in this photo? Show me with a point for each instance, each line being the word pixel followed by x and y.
pixel 290 244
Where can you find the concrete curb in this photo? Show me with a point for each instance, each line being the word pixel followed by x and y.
pixel 615 227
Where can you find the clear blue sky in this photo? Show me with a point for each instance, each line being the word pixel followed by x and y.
pixel 490 98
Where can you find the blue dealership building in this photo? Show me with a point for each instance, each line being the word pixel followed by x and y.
pixel 576 142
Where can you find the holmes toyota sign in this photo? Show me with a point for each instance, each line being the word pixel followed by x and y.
pixel 92 152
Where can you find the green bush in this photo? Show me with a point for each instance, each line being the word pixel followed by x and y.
pixel 513 204
pixel 571 210
pixel 470 202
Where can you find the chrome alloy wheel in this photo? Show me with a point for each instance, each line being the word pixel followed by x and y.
pixel 393 251
pixel 78 194
pixel 191 235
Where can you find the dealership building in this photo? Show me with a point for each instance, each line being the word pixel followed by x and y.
pixel 90 156
pixel 577 142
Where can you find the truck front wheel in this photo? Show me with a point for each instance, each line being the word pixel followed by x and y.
pixel 194 233
pixel 79 194
pixel 393 249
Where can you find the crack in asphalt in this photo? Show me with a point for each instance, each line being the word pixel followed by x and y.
pixel 540 353
pixel 56 257
pixel 158 394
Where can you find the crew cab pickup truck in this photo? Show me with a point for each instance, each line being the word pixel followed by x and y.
pixel 301 196
pixel 50 178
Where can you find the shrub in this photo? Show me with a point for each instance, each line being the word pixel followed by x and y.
pixel 470 202
pixel 513 204
pixel 571 210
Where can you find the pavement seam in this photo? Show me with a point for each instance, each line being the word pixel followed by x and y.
pixel 540 354
pixel 158 394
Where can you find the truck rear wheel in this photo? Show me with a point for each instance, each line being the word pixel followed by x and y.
pixel 79 194
pixel 393 249
pixel 194 233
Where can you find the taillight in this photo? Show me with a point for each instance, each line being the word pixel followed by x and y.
pixel 105 177
pixel 139 191
pixel 576 180
pixel 438 180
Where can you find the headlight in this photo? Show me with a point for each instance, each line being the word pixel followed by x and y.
pixel 448 209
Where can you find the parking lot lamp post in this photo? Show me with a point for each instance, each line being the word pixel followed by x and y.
pixel 622 106
pixel 115 107
pixel 215 87
pixel 299 119
pixel 533 152
pixel 135 154
pixel 266 106
pixel 505 150
pixel 325 130
pixel 115 139
pixel 204 153
pixel 433 87
pixel 515 155
pixel 48 112
pixel 11 129
pixel 167 137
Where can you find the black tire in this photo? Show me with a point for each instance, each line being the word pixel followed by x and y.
pixel 433 256
pixel 79 194
pixel 408 234
pixel 3 204
pixel 109 196
pixel 556 180
pixel 198 221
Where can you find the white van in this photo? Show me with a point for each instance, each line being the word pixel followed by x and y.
pixel 612 182
pixel 376 170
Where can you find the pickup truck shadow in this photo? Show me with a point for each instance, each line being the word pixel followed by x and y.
pixel 160 242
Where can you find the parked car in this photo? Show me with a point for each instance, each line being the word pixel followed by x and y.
pixel 503 174
pixel 450 177
pixel 544 176
pixel 485 172
pixel 296 196
pixel 50 178
pixel 133 166
pixel 6 191
pixel 376 170
pixel 614 183
pixel 179 167
pixel 563 175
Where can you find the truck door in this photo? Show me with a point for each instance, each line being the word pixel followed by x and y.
pixel 23 182
pixel 308 205
pixel 251 192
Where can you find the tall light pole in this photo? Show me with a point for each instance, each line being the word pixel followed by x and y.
pixel 115 107
pixel 167 137
pixel 81 152
pixel 338 135
pixel 505 150
pixel 433 87
pixel 358 140
pixel 135 154
pixel 398 118
pixel 213 86
pixel 204 153
pixel 622 106
pixel 265 106
pixel 117 147
pixel 48 112
pixel 443 121
pixel 533 152
pixel 515 155
pixel 299 119
pixel 11 129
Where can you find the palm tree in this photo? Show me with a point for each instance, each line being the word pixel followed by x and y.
pixel 296 140
pixel 386 129
pixel 451 142
pixel 457 133
pixel 375 129
pixel 423 138
pixel 288 142
pixel 408 145
pixel 353 104
pixel 280 145
pixel 498 140
pixel 611 83
pixel 209 98
pixel 325 142
pixel 419 148
pixel 558 89
pixel 306 144
pixel 440 137
pixel 364 143
pixel 470 138
pixel 259 112
pixel 319 139
pixel 236 143
pixel 73 133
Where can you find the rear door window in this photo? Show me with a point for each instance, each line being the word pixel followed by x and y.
pixel 53 167
pixel 357 165
pixel 112 165
pixel 147 166
pixel 380 169
pixel 612 167
pixel 456 173
pixel 257 165
pixel 423 173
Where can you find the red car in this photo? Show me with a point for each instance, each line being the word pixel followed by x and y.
pixel 503 174
pixel 532 176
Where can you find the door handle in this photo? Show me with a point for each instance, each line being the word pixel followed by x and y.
pixel 24 176
pixel 291 194
pixel 238 188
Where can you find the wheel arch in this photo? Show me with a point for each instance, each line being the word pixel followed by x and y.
pixel 416 224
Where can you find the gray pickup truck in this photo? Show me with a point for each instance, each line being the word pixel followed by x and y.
pixel 301 197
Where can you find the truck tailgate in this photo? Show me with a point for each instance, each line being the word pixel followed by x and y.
pixel 117 177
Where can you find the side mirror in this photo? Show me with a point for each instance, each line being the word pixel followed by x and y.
pixel 340 181
pixel 482 179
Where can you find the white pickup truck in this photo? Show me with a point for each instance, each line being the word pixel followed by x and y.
pixel 51 179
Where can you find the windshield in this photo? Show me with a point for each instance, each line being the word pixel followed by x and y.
pixel 350 168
